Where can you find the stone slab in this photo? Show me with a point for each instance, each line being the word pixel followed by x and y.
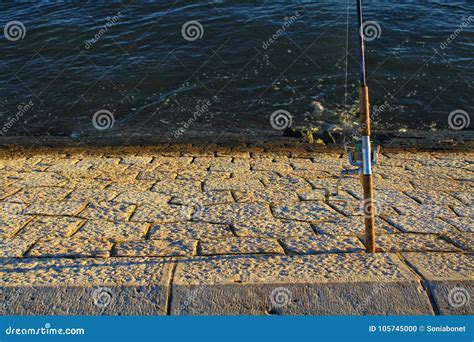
pixel 311 285
pixel 352 225
pixel 322 244
pixel 190 230
pixel 414 243
pixel 235 212
pixel 75 247
pixel 66 208
pixel 155 248
pixel 240 245
pixel 49 226
pixel 163 213
pixel 274 228
pixel 117 231
pixel 305 211
pixel 462 240
pixel 11 224
pixel 91 286
pixel 111 211
pixel 413 224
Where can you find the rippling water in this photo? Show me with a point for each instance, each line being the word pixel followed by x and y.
pixel 243 61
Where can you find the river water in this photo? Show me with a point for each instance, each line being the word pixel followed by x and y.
pixel 173 67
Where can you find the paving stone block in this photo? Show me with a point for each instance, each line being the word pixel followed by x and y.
pixel 137 185
pixel 40 179
pixel 136 160
pixel 413 243
pixel 464 224
pixel 111 211
pixel 288 184
pixel 240 245
pixel 274 228
pixel 7 191
pixel 269 195
pixel 356 208
pixel 155 248
pixel 77 247
pixel 462 240
pixel 204 198
pixel 464 210
pixel 352 225
pixel 364 284
pixel 156 174
pixel 232 184
pixel 413 224
pixel 433 197
pixel 117 231
pixel 235 212
pixel 91 195
pixel 201 174
pixel 49 226
pixel 12 208
pixel 177 187
pixel 84 286
pixel 305 211
pixel 466 197
pixel 11 224
pixel 14 247
pixel 68 208
pixel 190 230
pixel 163 213
pixel 142 197
pixel 322 244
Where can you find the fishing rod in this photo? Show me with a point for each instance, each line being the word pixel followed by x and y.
pixel 364 110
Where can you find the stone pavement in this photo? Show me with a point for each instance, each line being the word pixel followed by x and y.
pixel 183 229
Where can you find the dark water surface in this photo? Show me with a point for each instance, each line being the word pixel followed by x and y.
pixel 74 59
